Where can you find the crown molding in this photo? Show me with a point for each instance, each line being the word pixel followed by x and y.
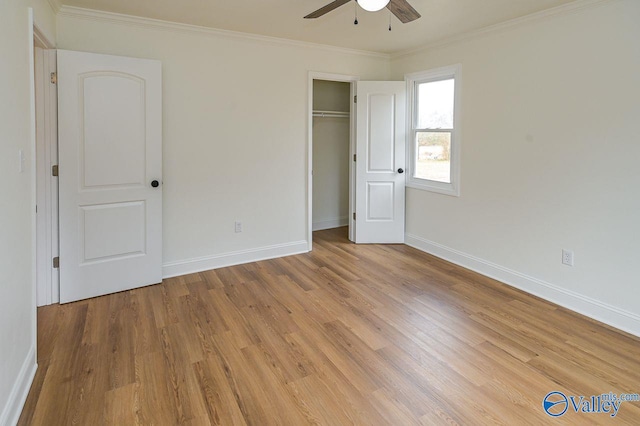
pixel 565 9
pixel 157 24
pixel 55 5
pixel 141 22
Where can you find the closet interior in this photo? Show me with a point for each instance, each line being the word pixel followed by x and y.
pixel 331 140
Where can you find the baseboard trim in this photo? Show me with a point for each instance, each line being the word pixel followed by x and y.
pixel 330 223
pixel 610 315
pixel 190 266
pixel 20 390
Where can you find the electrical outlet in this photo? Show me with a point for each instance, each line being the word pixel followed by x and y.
pixel 567 257
pixel 238 226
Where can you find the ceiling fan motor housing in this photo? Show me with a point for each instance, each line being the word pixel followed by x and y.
pixel 373 5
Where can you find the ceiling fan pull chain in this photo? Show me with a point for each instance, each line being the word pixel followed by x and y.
pixel 389 20
pixel 355 22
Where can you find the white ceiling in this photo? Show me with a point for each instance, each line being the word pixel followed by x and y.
pixel 283 18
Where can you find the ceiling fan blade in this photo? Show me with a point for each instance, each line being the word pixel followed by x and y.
pixel 326 9
pixel 403 10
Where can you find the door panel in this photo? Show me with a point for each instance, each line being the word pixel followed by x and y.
pixel 381 146
pixel 380 140
pixel 110 150
pixel 380 197
pixel 114 138
pixel 99 243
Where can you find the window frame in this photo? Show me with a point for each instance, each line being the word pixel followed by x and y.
pixel 413 80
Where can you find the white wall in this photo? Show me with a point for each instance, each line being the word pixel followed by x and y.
pixel 17 298
pixel 549 158
pixel 550 153
pixel 235 132
pixel 331 155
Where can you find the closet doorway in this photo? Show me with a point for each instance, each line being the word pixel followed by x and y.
pixel 332 149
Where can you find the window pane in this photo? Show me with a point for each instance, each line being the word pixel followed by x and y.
pixel 435 104
pixel 434 156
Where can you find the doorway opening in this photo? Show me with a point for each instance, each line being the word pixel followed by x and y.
pixel 331 145
pixel 331 150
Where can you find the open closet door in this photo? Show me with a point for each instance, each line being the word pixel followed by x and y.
pixel 110 173
pixel 380 162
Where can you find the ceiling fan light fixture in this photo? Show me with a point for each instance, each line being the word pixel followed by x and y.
pixel 373 5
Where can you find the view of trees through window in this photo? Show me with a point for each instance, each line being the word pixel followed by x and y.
pixel 433 130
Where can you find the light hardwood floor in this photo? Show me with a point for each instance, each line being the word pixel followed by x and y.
pixel 347 334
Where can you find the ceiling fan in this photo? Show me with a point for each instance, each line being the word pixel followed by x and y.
pixel 400 8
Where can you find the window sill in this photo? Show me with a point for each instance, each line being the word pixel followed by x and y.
pixel 432 186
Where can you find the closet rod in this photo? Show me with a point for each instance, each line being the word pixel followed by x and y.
pixel 344 114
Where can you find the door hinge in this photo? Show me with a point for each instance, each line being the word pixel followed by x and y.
pixel 56 262
pixel 354 157
pixel 54 170
pixel 54 78
pixel 355 99
pixel 354 215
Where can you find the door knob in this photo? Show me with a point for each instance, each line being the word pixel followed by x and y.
pixel 155 183
pixel 400 171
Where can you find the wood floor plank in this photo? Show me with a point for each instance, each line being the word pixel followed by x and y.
pixel 298 272
pixel 344 335
pixel 221 405
pixel 318 403
pixel 162 305
pixel 122 406
pixel 182 380
pixel 358 404
pixel 158 404
pixel 120 342
pixel 212 280
pixel 282 409
pixel 49 323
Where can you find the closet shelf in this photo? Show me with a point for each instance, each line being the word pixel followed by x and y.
pixel 338 114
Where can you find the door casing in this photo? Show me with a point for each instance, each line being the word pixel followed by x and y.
pixel 46 154
pixel 352 149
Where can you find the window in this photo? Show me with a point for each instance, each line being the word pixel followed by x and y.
pixel 434 145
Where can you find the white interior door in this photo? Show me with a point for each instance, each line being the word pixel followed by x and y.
pixel 110 173
pixel 380 162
